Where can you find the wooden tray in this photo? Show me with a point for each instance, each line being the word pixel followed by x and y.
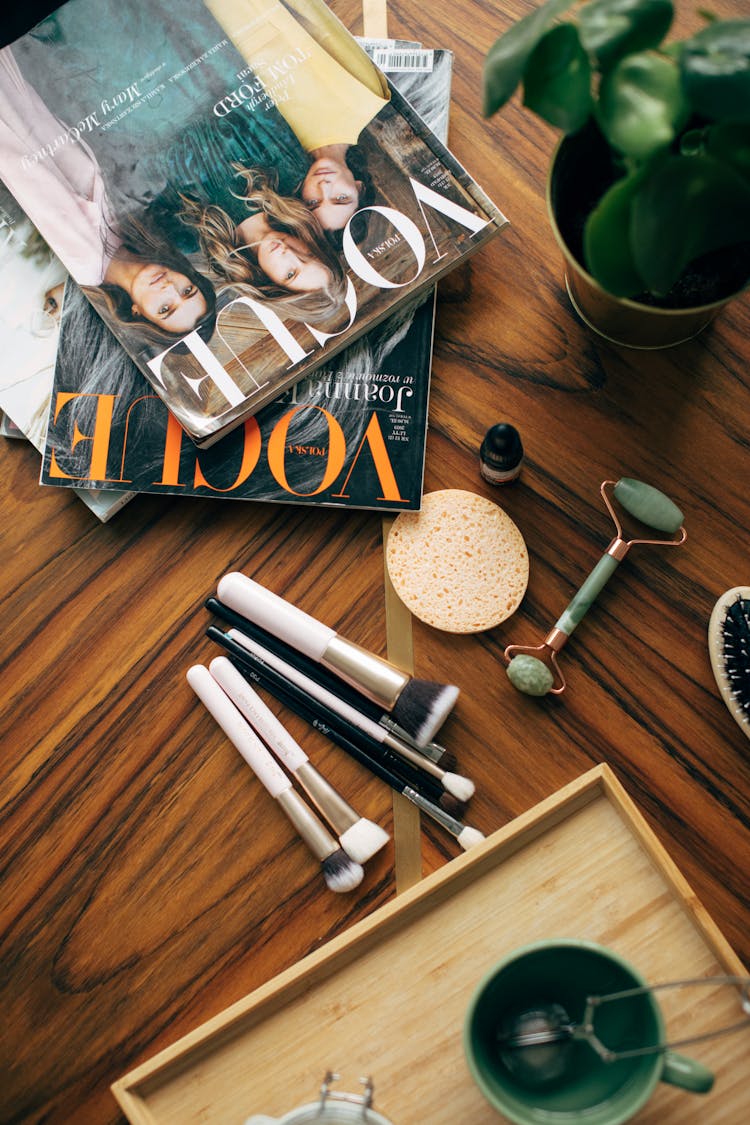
pixel 387 998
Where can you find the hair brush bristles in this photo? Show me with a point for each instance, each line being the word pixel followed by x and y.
pixel 729 650
pixel 422 707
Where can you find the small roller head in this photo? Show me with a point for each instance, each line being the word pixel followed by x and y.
pixel 648 504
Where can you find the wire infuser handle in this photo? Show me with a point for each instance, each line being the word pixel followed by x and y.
pixel 594 1002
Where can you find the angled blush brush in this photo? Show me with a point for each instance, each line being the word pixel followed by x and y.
pixel 419 706
pixel 329 681
pixel 340 872
pixel 323 720
pixel 459 787
pixel 360 838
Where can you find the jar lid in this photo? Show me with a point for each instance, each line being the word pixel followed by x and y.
pixel 333 1107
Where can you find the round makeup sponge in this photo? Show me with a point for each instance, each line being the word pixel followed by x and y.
pixel 460 564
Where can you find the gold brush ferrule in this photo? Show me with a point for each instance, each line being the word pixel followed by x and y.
pixel 314 833
pixel 374 677
pixel 326 799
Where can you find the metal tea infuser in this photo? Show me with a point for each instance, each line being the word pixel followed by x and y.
pixel 534 669
pixel 535 1045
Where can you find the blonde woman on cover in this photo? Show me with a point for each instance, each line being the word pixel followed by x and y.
pixel 322 83
pixel 269 247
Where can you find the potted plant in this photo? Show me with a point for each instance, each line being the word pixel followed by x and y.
pixel 649 188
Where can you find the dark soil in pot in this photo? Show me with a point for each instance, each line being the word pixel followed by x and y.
pixel 582 172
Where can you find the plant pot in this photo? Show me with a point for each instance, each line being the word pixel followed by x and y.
pixel 580 172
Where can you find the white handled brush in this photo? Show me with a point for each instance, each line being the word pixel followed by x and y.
pixel 340 872
pixel 360 838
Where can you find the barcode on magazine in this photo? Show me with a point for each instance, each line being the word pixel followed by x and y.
pixel 403 60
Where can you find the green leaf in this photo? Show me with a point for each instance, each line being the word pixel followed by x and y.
pixel 729 141
pixel 606 240
pixel 686 207
pixel 611 29
pixel 507 57
pixel 557 79
pixel 641 105
pixel 715 66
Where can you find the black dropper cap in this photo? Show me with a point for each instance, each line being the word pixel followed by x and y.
pixel 501 453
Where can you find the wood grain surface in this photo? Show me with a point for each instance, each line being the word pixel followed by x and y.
pixel 147 882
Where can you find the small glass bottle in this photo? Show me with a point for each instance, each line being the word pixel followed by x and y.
pixel 501 454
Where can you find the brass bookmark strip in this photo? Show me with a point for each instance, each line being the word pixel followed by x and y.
pixel 375 18
pixel 407 837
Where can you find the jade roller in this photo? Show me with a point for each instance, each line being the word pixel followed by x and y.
pixel 534 670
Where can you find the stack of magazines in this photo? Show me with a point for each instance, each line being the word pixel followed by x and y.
pixel 222 238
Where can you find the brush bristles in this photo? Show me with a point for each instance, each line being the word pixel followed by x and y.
pixel 451 805
pixel 460 787
pixel 729 651
pixel 736 649
pixel 362 840
pixel 448 761
pixel 422 708
pixel 469 837
pixel 341 873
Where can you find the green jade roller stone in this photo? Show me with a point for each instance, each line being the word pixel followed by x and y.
pixel 531 675
pixel 648 505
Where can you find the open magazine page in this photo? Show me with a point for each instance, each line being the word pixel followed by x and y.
pixel 352 434
pixel 32 281
pixel 238 190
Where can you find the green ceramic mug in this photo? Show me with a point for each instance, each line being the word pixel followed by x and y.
pixel 566 1082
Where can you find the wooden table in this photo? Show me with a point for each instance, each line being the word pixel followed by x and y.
pixel 146 883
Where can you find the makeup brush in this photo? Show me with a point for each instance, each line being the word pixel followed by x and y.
pixel 460 787
pixel 317 715
pixel 340 872
pixel 419 706
pixel 330 682
pixel 430 787
pixel 360 838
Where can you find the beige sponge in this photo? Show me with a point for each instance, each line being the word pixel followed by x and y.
pixel 460 564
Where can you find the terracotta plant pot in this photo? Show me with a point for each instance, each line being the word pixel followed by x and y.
pixel 581 169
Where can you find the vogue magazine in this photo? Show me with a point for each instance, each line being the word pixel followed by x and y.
pixel 352 434
pixel 234 185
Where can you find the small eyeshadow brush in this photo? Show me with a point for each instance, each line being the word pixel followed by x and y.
pixel 340 872
pixel 327 680
pixel 360 838
pixel 318 716
pixel 419 706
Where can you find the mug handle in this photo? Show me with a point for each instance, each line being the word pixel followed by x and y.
pixel 688 1074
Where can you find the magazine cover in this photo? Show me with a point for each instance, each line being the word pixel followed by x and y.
pixel 235 186
pixel 350 435
pixel 32 282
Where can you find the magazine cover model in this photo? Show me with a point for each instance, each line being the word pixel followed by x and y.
pixel 235 186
